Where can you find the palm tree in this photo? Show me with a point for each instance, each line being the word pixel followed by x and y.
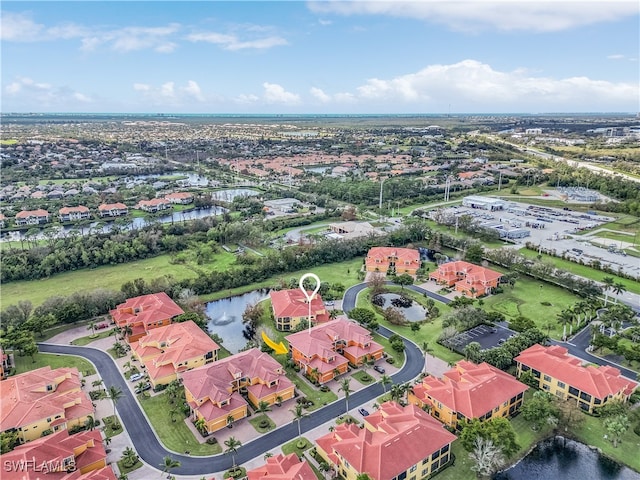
pixel 230 420
pixel 564 317
pixel 90 422
pixel 92 327
pixel 96 383
pixel 298 414
pixel 169 463
pixel 608 285
pixel 127 366
pixel 172 414
pixel 232 445
pixel 618 288
pixel 384 381
pixel 201 425
pixel 115 394
pixel 129 457
pixel 263 407
pixel 367 361
pixel 346 388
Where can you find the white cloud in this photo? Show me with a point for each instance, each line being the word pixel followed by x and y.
pixel 19 27
pixel 274 93
pixel 318 94
pixel 27 91
pixel 475 86
pixel 130 39
pixel 538 15
pixel 247 99
pixel 616 57
pixel 170 94
pixel 233 43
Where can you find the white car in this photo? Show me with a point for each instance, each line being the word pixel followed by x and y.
pixel 136 376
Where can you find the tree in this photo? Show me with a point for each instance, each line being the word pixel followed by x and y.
pixel 232 445
pixel 346 388
pixel 363 316
pixel 115 394
pixel 474 253
pixel 499 430
pixel 376 283
pixel 404 279
pixel 90 422
pixel 384 381
pixel 618 288
pixel 539 410
pixel 616 426
pixel 263 407
pixel 608 283
pixel 473 352
pixel 486 456
pixel 298 414
pixel 129 457
pixel 169 464
pixel 201 425
pixel 230 420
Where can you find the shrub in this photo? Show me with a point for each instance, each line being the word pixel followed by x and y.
pixel 212 440
pixel 390 360
pixel 546 304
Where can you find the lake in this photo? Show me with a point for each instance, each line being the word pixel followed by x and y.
pixel 559 458
pixel 225 317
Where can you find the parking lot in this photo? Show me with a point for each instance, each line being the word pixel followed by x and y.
pixel 556 229
pixel 487 336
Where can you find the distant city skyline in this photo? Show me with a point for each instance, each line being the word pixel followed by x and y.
pixel 322 57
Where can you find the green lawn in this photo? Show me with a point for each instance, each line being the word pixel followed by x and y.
pixel 591 432
pixel 109 423
pixel 107 277
pixel 292 446
pixel 320 399
pixel 25 364
pixel 363 377
pixel 124 469
pixel 176 435
pixel 257 419
pixel 82 341
pixel 583 270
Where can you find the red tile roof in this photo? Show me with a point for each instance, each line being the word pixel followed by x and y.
pixel 25 399
pixel 293 303
pixel 214 381
pixel 32 213
pixel 112 206
pixel 399 438
pixel 470 389
pixel 154 202
pixel 151 308
pixel 67 210
pixel 173 344
pixel 53 449
pixel 281 467
pixel 383 255
pixel 556 362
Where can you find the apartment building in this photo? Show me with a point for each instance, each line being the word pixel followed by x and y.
pixel 290 307
pixel 139 315
pixel 283 467
pixel 469 279
pixel 32 217
pixel 393 260
pixel 71 214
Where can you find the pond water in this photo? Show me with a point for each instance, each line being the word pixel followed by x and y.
pixel 559 458
pixel 414 313
pixel 225 317
pixel 192 179
pixel 318 169
pixel 229 194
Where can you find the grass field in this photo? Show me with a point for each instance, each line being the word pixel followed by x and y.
pixel 583 270
pixel 24 364
pixel 108 277
pixel 176 435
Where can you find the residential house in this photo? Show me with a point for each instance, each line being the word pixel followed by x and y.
pixel 43 400
pixel 469 391
pixel 141 314
pixel 182 198
pixel 32 217
pixel 290 307
pixel 564 376
pixel 214 391
pixel 169 350
pixel 283 467
pixel 325 351
pixel 112 209
pixel 70 214
pixel 55 195
pixel 153 205
pixel 396 443
pixel 469 279
pixel 393 260
pixel 61 456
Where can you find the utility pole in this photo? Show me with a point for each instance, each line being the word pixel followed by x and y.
pixel 500 182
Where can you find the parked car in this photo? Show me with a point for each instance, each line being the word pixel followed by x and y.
pixel 100 326
pixel 136 376
pixel 145 387
pixel 363 412
pixel 378 369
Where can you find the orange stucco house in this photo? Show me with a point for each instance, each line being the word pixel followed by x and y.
pixel 290 307
pixel 283 467
pixel 469 279
pixel 325 351
pixel 61 456
pixel 144 313
pixel 393 260
pixel 213 392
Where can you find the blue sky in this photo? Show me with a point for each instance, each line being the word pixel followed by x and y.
pixel 357 57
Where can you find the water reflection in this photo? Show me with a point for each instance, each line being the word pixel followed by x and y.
pixel 225 318
pixel 414 313
pixel 563 458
